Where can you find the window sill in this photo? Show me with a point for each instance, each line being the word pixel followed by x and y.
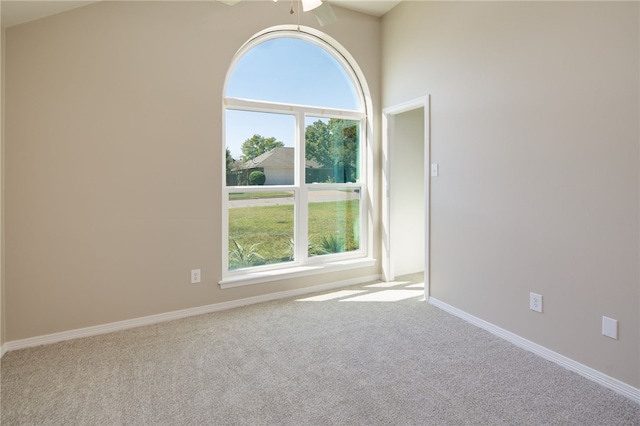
pixel 251 278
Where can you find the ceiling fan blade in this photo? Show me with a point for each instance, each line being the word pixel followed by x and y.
pixel 325 14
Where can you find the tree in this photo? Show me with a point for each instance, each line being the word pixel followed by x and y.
pixel 319 144
pixel 230 161
pixel 258 145
pixel 334 145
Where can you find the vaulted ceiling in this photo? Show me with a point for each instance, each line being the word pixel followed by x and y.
pixel 20 11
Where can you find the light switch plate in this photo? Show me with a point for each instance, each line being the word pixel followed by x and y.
pixel 434 170
pixel 610 327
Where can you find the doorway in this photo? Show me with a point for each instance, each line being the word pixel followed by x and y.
pixel 406 187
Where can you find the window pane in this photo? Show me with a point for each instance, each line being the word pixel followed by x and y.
pixel 260 228
pixel 332 150
pixel 261 147
pixel 295 71
pixel 334 220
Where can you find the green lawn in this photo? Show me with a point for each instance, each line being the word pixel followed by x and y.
pixel 271 228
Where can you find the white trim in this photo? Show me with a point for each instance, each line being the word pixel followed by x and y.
pixel 3 350
pixel 587 372
pixel 422 101
pixel 262 276
pixel 387 129
pixel 174 315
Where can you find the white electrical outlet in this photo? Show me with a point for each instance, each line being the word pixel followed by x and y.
pixel 434 170
pixel 535 302
pixel 195 276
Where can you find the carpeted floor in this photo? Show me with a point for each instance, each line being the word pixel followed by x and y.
pixel 365 355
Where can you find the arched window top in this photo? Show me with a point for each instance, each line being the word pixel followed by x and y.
pixel 293 70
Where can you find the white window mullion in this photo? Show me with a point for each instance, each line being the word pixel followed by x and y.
pixel 225 230
pixel 301 213
pixel 225 201
pixel 278 108
pixel 366 175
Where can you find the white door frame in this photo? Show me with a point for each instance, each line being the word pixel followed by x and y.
pixel 388 118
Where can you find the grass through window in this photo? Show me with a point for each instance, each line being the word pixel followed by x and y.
pixel 263 235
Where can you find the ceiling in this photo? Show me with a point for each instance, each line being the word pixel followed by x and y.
pixel 21 11
pixel 370 7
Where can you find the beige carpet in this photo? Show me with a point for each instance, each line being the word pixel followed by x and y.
pixel 366 355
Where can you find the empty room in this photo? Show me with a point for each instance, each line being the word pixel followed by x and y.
pixel 320 212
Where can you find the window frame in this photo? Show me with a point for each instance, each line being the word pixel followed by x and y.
pixel 303 264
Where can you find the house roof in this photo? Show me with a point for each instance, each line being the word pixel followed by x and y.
pixel 278 158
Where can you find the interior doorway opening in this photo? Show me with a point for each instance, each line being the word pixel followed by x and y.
pixel 406 189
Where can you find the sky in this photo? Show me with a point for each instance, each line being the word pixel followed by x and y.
pixel 288 70
pixel 242 125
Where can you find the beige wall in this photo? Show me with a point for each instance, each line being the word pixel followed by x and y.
pixel 535 125
pixel 113 156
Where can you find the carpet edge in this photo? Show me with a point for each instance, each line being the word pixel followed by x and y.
pixel 570 364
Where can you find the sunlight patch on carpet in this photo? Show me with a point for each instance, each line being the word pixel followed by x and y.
pixel 387 285
pixel 386 296
pixel 331 296
pixel 419 285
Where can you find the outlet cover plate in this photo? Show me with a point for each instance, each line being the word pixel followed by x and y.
pixel 535 302
pixel 195 276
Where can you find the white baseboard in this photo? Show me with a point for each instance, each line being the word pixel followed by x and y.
pixel 588 372
pixel 3 350
pixel 174 315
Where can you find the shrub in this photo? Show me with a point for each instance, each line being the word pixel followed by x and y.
pixel 257 178
pixel 244 256
pixel 331 244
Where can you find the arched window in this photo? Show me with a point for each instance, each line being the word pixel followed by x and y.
pixel 294 116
